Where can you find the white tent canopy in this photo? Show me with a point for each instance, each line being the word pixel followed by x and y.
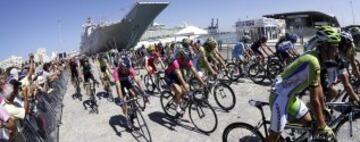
pixel 191 30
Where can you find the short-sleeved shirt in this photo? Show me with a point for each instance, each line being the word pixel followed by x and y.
pixel 201 62
pixel 152 58
pixel 238 49
pixel 284 46
pixel 121 76
pixel 102 63
pixel 176 64
pixel 73 66
pixel 302 73
pixel 86 68
pixel 256 45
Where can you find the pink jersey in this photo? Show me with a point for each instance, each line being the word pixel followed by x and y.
pixel 117 77
pixel 176 65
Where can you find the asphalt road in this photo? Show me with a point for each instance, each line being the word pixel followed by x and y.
pixel 78 125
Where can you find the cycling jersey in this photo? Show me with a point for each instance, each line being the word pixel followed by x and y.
pixel 125 76
pixel 302 73
pixel 170 75
pixel 238 51
pixel 284 46
pixel 200 62
pixel 255 47
pixel 151 60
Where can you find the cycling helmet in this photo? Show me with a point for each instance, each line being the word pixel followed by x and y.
pixel 126 61
pixel 181 52
pixel 328 34
pixel 263 39
pixel 186 41
pixel 211 42
pixel 151 48
pixel 246 39
pixel 355 31
pixel 346 37
pixel 293 37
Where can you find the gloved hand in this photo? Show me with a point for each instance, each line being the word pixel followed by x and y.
pixel 327 132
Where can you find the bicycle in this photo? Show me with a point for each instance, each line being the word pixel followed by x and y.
pixel 266 69
pixel 294 132
pixel 200 107
pixel 223 94
pixel 91 102
pixel 155 81
pixel 139 125
pixel 107 87
pixel 237 70
pixel 77 95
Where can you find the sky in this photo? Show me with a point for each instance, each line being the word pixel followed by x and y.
pixel 26 25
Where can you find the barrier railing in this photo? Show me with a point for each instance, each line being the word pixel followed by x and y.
pixel 42 124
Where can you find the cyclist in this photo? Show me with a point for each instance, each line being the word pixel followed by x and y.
pixel 186 43
pixel 240 52
pixel 74 70
pixel 123 76
pixel 355 32
pixel 207 52
pixel 261 44
pixel 303 73
pixel 175 78
pixel 105 72
pixel 285 48
pixel 87 72
pixel 150 60
pixel 346 56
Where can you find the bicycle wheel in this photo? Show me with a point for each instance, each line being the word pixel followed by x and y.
pixel 274 68
pixel 203 116
pixel 234 71
pixel 167 100
pixel 256 73
pixel 242 132
pixel 342 129
pixel 141 127
pixel 224 96
pixel 149 84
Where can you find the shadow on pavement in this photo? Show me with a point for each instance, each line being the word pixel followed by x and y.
pixel 102 94
pixel 170 123
pixel 120 120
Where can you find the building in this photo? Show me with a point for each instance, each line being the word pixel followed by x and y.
pixel 304 22
pixel 256 28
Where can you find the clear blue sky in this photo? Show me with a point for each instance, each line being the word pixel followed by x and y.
pixel 26 25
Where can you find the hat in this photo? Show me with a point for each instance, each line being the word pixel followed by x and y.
pixel 40 80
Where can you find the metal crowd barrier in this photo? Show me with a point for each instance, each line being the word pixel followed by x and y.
pixel 42 124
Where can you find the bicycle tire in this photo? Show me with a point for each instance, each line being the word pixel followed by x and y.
pixel 219 95
pixel 233 126
pixel 149 83
pixel 274 68
pixel 342 123
pixel 169 105
pixel 254 71
pixel 202 105
pixel 138 113
pixel 234 71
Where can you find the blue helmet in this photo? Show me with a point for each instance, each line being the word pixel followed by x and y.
pixel 293 37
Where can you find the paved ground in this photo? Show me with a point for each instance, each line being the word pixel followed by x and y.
pixel 109 125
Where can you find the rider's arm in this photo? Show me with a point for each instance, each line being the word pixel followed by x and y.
pixel 182 80
pixel 219 58
pixel 162 63
pixel 347 86
pixel 197 77
pixel 207 64
pixel 316 95
pixel 354 66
